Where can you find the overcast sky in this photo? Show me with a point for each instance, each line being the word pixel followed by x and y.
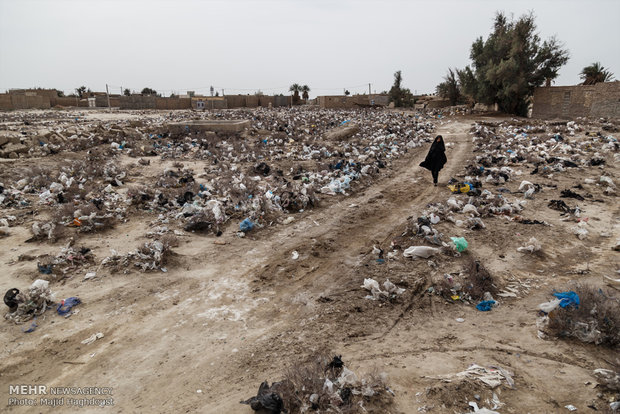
pixel 243 46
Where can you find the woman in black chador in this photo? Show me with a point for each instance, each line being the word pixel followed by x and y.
pixel 436 158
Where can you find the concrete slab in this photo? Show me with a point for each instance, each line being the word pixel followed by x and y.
pixel 209 125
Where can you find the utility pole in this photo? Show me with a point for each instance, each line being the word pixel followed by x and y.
pixel 107 92
pixel 369 89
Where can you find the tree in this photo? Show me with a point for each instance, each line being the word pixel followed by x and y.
pixel 60 93
pixel 127 92
pixel 80 91
pixel 395 91
pixel 305 92
pixel 510 64
pixel 402 97
pixel 450 87
pixel 346 92
pixel 595 73
pixel 295 88
pixel 148 91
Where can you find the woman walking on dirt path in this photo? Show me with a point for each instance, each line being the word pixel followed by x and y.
pixel 436 158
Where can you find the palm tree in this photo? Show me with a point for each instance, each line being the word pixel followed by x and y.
pixel 295 88
pixel 595 73
pixel 305 89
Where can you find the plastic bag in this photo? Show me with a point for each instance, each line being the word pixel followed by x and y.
pixel 459 243
pixel 569 298
pixel 420 251
pixel 246 225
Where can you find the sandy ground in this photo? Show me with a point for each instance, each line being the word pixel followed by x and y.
pixel 226 317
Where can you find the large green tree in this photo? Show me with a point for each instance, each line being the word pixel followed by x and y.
pixel 595 73
pixel 450 88
pixel 511 63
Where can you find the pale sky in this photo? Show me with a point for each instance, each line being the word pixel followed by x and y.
pixel 243 46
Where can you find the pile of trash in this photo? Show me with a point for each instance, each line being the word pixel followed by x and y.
pixel 66 261
pixel 477 385
pixel 589 314
pixel 390 292
pixel 322 385
pixel 24 306
pixel 148 257
pixel 280 165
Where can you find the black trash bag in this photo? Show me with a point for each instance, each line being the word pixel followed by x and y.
pixel 560 206
pixel 262 169
pixel 266 400
pixel 571 194
pixel 336 362
pixel 10 299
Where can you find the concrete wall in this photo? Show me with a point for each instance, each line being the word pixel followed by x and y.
pixel 138 102
pixel 266 101
pixel 600 100
pixel 28 99
pixel 173 103
pixel 251 101
pixel 282 100
pixel 236 101
pixel 209 102
pixel 67 101
pixel 46 99
pixel 352 101
pixel 5 102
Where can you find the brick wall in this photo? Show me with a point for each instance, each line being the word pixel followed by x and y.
pixel 600 100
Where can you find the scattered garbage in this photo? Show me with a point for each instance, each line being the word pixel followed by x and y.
pixel 567 299
pixel 10 299
pixel 92 338
pixel 532 246
pixel 460 244
pixel 65 306
pixel 420 251
pixel 486 305
pixel 246 225
pixel 27 305
pixel 322 384
pixel 267 399
pixel 589 314
pixel 390 289
pixel 492 376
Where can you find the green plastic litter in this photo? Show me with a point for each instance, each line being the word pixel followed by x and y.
pixel 460 243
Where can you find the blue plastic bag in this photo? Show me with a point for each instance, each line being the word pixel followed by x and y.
pixel 246 225
pixel 485 305
pixel 64 308
pixel 569 298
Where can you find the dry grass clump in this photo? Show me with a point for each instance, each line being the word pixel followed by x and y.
pixel 596 319
pixel 324 384
pixel 479 280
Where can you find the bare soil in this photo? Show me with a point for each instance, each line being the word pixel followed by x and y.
pixel 227 316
